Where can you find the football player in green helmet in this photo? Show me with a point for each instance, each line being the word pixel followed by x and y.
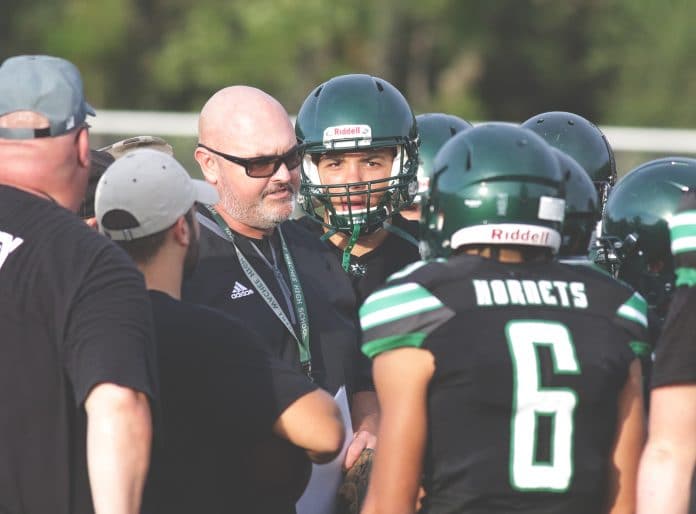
pixel 360 140
pixel 581 214
pixel 516 195
pixel 635 234
pixel 434 130
pixel 583 141
pixel 505 378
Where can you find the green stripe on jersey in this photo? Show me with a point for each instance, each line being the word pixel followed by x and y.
pixel 685 277
pixel 395 303
pixel 640 349
pixel 635 309
pixel 383 344
pixel 410 268
pixel 682 232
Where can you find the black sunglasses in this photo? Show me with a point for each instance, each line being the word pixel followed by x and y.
pixel 266 165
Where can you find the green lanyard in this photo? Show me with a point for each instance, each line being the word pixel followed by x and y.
pixel 297 294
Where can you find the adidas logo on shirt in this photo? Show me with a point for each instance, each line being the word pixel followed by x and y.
pixel 240 291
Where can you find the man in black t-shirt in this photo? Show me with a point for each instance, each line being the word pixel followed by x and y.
pixel 507 381
pixel 665 481
pixel 269 271
pixel 77 364
pixel 223 396
pixel 359 171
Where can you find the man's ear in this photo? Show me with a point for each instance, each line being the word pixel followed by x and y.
pixel 208 165
pixel 83 154
pixel 182 232
pixel 92 223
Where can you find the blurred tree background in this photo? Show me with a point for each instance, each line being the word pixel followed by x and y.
pixel 617 62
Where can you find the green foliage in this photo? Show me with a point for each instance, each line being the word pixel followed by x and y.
pixel 613 61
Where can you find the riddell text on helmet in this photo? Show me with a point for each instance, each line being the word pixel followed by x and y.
pixel 531 236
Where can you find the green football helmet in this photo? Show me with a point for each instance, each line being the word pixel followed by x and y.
pixel 581 208
pixel 494 184
pixel 355 113
pixel 635 239
pixel 434 130
pixel 583 141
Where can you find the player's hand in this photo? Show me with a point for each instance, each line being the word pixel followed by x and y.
pixel 361 440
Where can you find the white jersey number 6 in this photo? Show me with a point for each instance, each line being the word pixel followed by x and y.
pixel 531 401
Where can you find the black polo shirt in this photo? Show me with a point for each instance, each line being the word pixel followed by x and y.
pixel 220 282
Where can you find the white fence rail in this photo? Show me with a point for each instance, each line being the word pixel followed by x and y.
pixel 184 124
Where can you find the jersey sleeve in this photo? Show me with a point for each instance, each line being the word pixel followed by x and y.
pixel 632 316
pixel 109 335
pixel 402 314
pixel 675 352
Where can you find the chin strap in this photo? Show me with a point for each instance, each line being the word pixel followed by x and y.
pixel 349 247
pixel 327 235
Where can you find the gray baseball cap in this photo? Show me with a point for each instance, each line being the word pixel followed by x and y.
pixel 47 85
pixel 152 188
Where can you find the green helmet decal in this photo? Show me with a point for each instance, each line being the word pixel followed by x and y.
pixel 354 113
pixel 583 141
pixel 494 184
pixel 581 208
pixel 635 237
pixel 434 130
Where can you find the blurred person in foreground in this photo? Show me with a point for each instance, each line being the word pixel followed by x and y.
pixel 506 380
pixel 223 396
pixel 77 369
pixel 666 468
pixel 271 272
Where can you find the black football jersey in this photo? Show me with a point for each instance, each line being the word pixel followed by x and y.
pixel 530 360
pixel 369 271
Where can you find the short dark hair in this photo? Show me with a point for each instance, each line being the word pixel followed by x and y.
pixel 143 249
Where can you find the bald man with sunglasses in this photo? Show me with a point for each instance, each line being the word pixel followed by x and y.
pixel 267 269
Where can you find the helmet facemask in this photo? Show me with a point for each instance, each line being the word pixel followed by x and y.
pixel 379 198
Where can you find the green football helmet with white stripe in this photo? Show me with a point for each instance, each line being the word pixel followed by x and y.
pixel 635 237
pixel 494 184
pixel 355 113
